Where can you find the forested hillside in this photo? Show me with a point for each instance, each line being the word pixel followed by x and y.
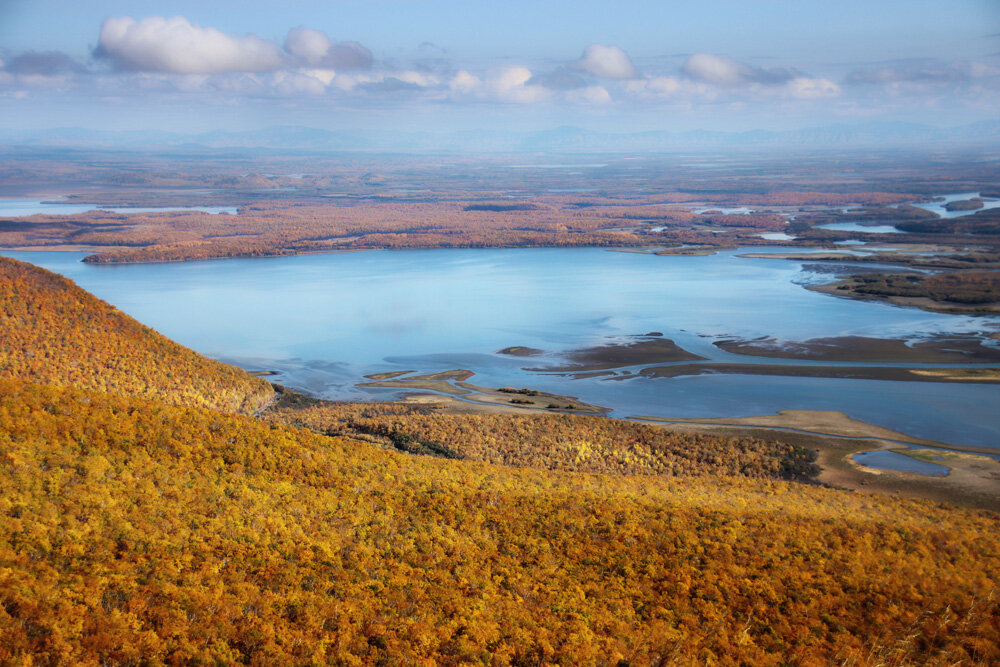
pixel 134 532
pixel 556 442
pixel 139 528
pixel 53 332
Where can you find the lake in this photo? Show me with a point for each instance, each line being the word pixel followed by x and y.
pixel 937 207
pixel 324 321
pixel 16 208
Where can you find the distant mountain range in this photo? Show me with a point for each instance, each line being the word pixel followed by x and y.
pixel 569 139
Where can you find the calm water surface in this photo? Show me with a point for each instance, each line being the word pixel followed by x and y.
pixel 937 207
pixel 324 321
pixel 901 462
pixel 14 208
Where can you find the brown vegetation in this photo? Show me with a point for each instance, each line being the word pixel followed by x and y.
pixel 968 287
pixel 269 228
pixel 981 223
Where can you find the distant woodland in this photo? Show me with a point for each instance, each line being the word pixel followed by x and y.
pixel 272 228
pixel 328 202
pixel 970 287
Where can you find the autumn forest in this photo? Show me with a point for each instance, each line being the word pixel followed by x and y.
pixel 160 507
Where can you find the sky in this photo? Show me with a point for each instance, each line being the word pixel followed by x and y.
pixel 443 65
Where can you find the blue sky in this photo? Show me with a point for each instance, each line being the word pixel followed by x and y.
pixel 464 64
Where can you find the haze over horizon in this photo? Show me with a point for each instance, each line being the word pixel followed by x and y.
pixel 442 66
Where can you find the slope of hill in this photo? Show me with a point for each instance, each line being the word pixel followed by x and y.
pixel 555 442
pixel 133 531
pixel 137 533
pixel 53 332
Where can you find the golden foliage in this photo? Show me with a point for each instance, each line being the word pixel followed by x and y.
pixel 557 442
pixel 134 532
pixel 53 332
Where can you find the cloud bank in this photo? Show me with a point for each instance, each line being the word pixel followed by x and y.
pixel 606 61
pixel 159 58
pixel 177 46
pixel 315 49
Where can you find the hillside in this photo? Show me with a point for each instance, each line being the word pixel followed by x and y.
pixel 566 443
pixel 53 332
pixel 138 530
pixel 134 532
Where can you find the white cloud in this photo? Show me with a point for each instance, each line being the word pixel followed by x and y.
pixel 417 78
pixel 717 69
pixel 175 45
pixel 510 78
pixel 324 75
pixel 589 95
pixel 296 83
pixel 463 82
pixel 805 88
pixel 924 71
pixel 979 70
pixel 659 86
pixel 310 45
pixel 347 82
pixel 510 84
pixel 606 61
pixel 316 49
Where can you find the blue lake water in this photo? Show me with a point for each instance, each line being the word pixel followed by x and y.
pixel 324 321
pixel 857 227
pixel 888 460
pixel 15 208
pixel 939 206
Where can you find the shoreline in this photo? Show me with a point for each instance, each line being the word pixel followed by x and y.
pixel 843 288
pixel 973 473
pixel 875 373
pixel 973 479
pixel 941 349
pixel 453 384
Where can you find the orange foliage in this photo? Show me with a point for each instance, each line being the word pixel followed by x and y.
pixel 53 332
pixel 556 442
pixel 136 532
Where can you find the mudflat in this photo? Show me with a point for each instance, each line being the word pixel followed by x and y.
pixel 644 351
pixel 452 383
pixel 950 349
pixel 973 480
pixel 982 375
pixel 520 351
